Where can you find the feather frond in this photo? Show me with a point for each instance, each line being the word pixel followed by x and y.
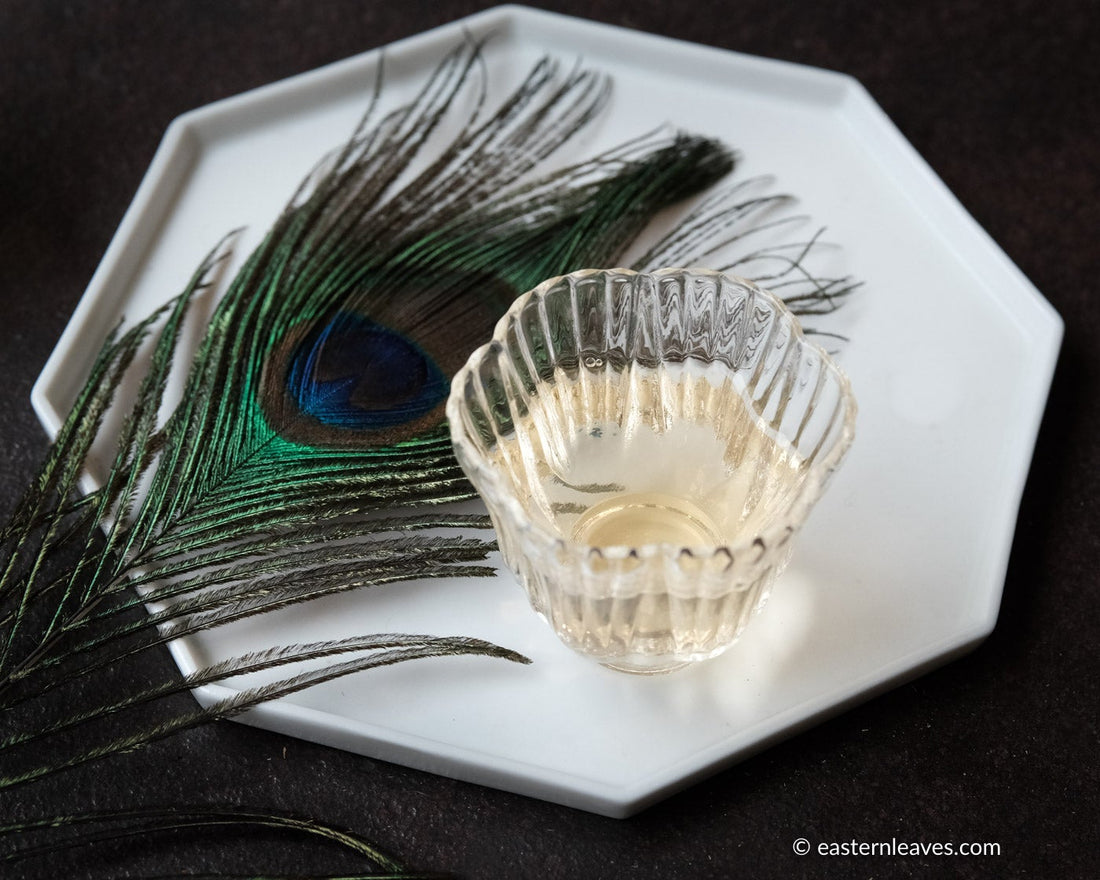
pixel 307 454
pixel 90 829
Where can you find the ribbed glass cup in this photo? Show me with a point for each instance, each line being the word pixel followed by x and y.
pixel 647 446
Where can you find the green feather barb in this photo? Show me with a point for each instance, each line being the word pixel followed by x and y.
pixel 308 455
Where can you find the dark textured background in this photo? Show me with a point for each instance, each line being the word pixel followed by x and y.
pixel 1002 99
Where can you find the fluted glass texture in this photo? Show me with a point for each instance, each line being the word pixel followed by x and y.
pixel 647 446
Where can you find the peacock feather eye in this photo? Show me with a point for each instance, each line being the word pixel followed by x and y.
pixel 377 371
pixel 355 374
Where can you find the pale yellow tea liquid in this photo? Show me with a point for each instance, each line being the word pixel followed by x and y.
pixel 638 518
pixel 670 456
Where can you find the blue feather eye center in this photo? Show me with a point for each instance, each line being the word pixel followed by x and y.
pixel 357 374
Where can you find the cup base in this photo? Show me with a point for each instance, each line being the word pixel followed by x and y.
pixel 637 518
pixel 658 668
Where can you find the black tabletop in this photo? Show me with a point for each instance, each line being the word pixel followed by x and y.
pixel 1003 101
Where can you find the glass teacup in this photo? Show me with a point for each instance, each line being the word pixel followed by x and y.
pixel 647 446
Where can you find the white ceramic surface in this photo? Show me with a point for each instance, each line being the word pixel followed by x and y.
pixel 901 567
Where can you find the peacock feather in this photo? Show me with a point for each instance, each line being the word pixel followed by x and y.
pixel 307 454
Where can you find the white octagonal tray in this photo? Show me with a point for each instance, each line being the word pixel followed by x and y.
pixel 951 352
